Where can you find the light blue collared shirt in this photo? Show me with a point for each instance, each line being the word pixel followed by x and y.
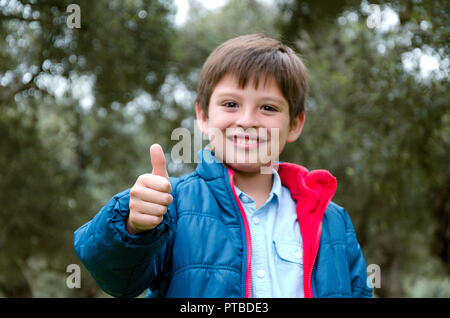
pixel 277 254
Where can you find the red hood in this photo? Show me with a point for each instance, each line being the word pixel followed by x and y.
pixel 311 188
pixel 312 191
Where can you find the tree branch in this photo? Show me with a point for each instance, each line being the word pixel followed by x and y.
pixel 17 17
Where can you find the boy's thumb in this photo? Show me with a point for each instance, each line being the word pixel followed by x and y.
pixel 158 161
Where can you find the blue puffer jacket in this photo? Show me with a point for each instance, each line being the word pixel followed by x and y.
pixel 203 246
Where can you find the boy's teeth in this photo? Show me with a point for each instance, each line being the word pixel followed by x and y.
pixel 245 141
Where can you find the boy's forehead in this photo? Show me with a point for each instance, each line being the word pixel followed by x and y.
pixel 261 83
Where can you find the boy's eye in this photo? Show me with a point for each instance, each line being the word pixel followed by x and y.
pixel 230 104
pixel 268 108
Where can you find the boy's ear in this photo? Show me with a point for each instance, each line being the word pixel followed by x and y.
pixel 296 128
pixel 202 121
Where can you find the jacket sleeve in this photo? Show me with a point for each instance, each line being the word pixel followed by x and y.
pixel 122 264
pixel 361 286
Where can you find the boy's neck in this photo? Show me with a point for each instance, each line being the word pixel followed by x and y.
pixel 256 185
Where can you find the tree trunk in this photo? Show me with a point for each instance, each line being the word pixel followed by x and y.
pixel 439 199
pixel 390 266
pixel 14 283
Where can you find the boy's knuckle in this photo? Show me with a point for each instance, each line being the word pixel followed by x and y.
pixel 167 199
pixel 162 210
pixel 143 179
pixel 132 218
pixel 134 192
pixel 139 179
pixel 167 186
pixel 155 220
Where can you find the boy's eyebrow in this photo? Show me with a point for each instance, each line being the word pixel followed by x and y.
pixel 275 99
pixel 228 94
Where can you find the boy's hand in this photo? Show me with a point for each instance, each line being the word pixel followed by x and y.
pixel 150 196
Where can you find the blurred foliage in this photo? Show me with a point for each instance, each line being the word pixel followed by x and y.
pixel 381 130
pixel 80 107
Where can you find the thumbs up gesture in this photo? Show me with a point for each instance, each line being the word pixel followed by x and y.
pixel 150 196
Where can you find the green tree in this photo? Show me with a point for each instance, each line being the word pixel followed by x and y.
pixel 381 128
pixel 80 107
pixel 69 132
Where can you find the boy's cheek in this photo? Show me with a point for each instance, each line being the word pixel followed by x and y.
pixel 214 136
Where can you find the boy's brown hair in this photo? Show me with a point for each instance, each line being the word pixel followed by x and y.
pixel 258 57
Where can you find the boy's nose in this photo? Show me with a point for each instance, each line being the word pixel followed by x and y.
pixel 248 118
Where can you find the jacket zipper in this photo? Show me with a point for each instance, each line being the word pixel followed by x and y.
pixel 309 293
pixel 316 251
pixel 248 283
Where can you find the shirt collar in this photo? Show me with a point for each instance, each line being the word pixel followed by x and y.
pixel 274 192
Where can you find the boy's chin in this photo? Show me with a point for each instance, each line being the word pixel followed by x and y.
pixel 249 168
pixel 245 163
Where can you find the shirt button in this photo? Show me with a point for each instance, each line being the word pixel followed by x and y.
pixel 255 220
pixel 297 255
pixel 260 273
pixel 244 199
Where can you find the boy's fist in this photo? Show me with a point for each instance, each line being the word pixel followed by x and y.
pixel 150 196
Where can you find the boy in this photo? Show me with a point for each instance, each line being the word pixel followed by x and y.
pixel 228 229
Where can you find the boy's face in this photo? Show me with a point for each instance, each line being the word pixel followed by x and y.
pixel 247 127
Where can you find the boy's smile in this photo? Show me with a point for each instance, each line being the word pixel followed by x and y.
pixel 248 127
